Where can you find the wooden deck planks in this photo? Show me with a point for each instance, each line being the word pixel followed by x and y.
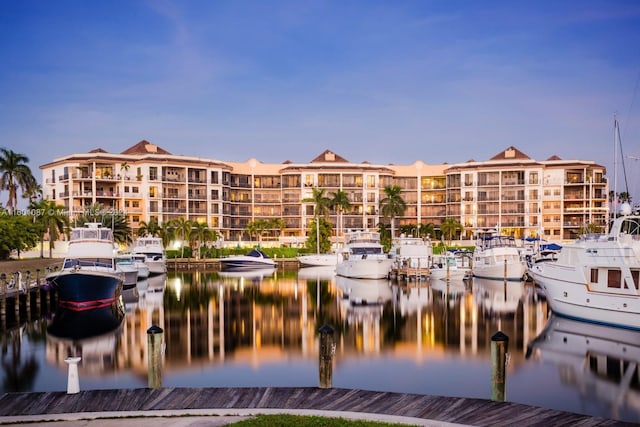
pixel 477 412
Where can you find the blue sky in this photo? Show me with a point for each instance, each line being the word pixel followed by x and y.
pixel 381 81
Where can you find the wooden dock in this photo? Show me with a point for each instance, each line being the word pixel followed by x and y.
pixel 475 412
pixel 409 274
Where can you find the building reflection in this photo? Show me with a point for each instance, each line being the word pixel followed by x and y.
pixel 257 318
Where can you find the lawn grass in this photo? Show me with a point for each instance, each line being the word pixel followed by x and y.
pixel 285 420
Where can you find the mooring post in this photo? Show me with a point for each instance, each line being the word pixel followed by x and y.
pixel 155 350
pixel 499 361
pixel 73 382
pixel 327 350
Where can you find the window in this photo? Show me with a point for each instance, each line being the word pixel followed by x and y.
pixel 594 275
pixel 614 279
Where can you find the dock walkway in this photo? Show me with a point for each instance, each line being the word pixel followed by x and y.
pixel 404 408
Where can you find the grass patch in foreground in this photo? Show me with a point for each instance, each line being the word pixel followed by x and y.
pixel 284 420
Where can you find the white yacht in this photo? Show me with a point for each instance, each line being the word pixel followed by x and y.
pixel 596 278
pixel 363 257
pixel 412 254
pixel 451 266
pixel 497 257
pixel 89 277
pixel 153 250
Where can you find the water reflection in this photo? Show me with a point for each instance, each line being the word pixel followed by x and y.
pixel 89 334
pixel 262 329
pixel 600 362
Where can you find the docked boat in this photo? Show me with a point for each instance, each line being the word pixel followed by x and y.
pixel 141 265
pixel 452 266
pixel 89 277
pixel 154 253
pixel 318 260
pixel 411 256
pixel 363 257
pixel 497 257
pixel 125 264
pixel 255 259
pixel 596 278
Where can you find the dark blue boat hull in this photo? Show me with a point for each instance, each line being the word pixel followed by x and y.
pixel 83 290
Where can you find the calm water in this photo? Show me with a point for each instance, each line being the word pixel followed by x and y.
pixel 428 338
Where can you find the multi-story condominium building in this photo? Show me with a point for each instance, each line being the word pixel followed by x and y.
pixel 553 199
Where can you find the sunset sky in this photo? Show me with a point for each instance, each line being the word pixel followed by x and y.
pixel 378 81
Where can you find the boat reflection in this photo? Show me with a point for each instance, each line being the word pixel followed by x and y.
pixel 255 276
pixel 319 273
pixel 89 334
pixel 361 304
pixel 413 299
pixel 600 362
pixel 498 296
pixel 451 287
pixel 363 292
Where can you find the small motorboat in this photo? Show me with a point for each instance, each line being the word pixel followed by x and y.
pixel 256 259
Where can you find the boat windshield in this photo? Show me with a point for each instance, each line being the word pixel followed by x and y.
pixel 366 251
pixel 88 262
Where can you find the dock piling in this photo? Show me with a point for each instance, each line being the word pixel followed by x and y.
pixel 499 361
pixel 155 350
pixel 327 351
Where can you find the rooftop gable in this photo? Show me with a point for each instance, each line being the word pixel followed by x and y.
pixel 511 153
pixel 145 147
pixel 329 156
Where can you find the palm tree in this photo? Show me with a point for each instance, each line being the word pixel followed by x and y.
pixel 183 229
pixel 426 230
pixel 150 228
pixel 340 202
pixel 15 175
pixel 393 205
pixel 124 168
pixel 53 221
pixel 450 227
pixel 385 236
pixel 166 231
pixel 200 233
pixel 320 209
pixel 321 202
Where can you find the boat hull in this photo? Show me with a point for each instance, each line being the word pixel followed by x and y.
pixel 512 271
pixel 365 268
pixel 318 260
pixel 452 273
pixel 156 267
pixel 83 290
pixel 254 260
pixel 574 300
